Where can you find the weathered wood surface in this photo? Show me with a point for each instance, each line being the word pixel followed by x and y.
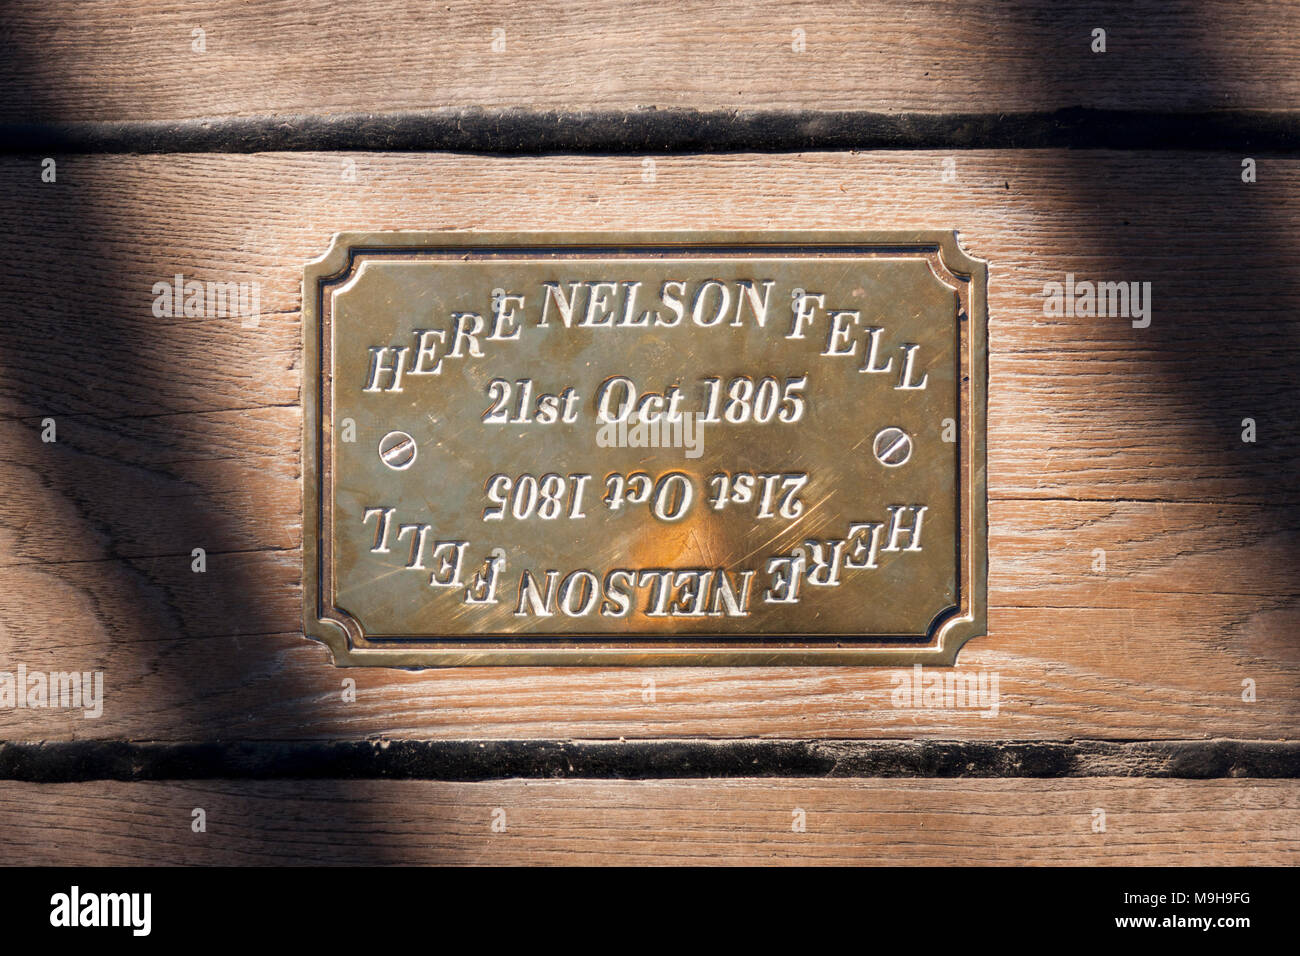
pixel 898 822
pixel 183 433
pixel 88 61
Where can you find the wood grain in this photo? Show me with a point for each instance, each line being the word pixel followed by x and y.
pixel 80 61
pixel 881 822
pixel 183 433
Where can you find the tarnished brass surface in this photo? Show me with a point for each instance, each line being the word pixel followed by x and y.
pixel 469 499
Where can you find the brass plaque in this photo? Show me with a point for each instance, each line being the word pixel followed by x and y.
pixel 633 448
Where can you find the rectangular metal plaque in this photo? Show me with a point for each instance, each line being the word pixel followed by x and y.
pixel 631 448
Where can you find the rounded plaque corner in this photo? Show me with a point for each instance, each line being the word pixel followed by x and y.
pixel 957 260
pixel 333 636
pixel 954 635
pixel 334 259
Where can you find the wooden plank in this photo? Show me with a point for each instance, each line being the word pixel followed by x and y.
pixel 183 433
pixel 76 61
pixel 879 822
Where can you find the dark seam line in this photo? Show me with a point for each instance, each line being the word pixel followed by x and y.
pixel 475 760
pixel 533 132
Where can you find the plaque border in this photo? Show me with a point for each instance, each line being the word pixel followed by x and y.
pixel 955 630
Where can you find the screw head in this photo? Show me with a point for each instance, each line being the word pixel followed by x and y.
pixel 397 450
pixel 892 447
